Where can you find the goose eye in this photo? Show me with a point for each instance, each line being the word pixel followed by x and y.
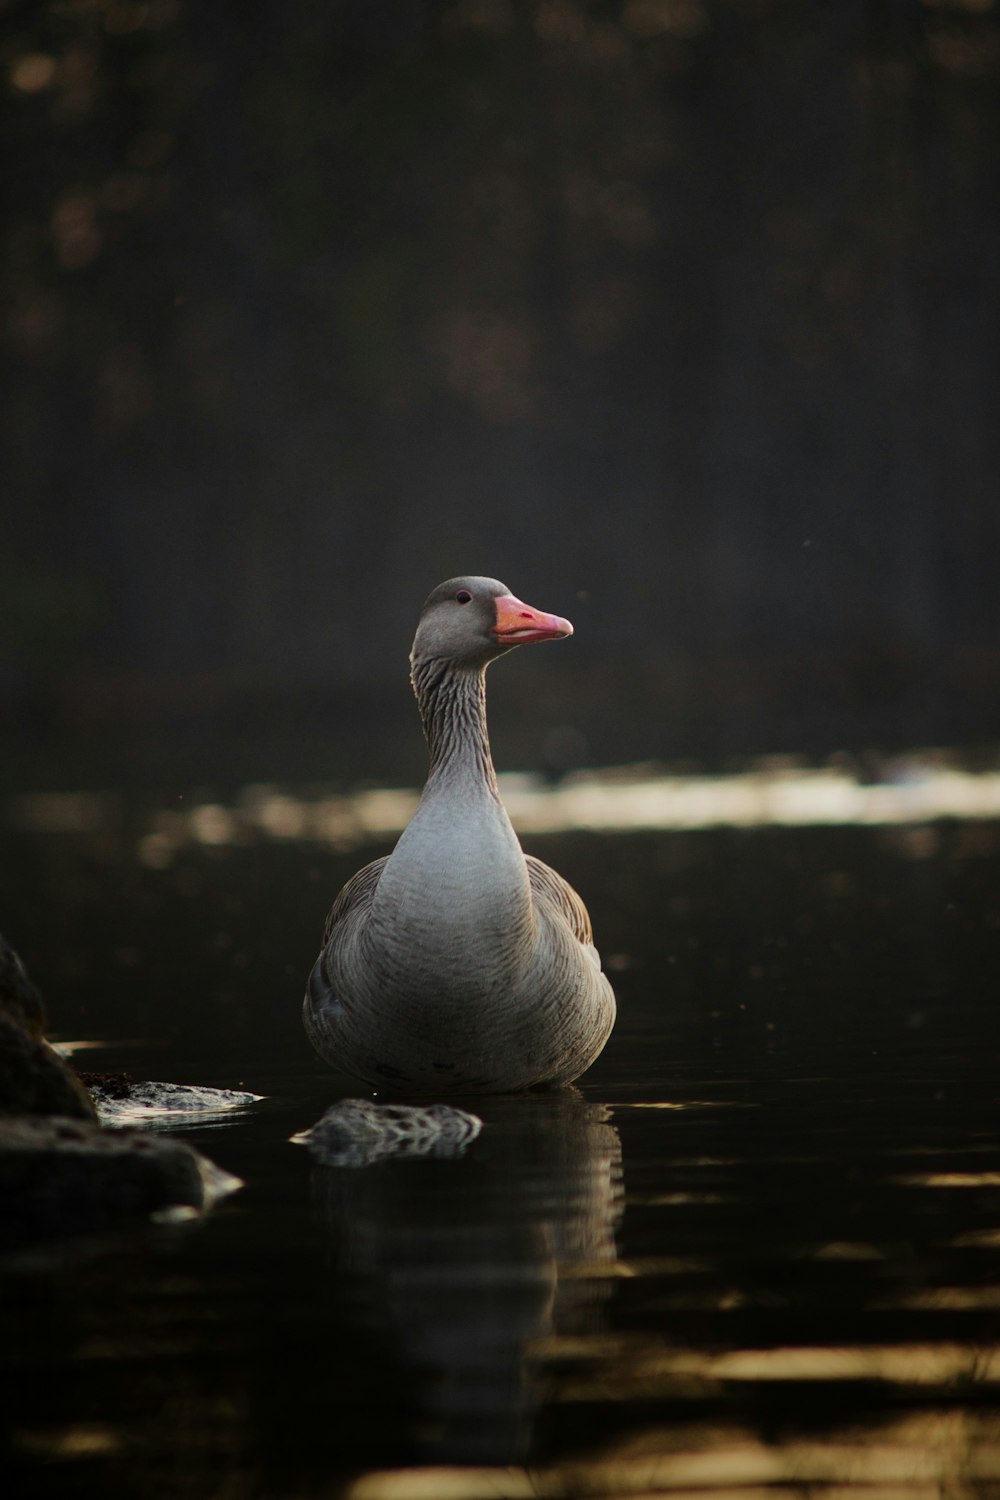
pixel 463 597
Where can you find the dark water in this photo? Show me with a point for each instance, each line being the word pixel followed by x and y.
pixel 756 1253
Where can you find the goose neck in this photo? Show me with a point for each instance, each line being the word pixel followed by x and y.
pixel 452 703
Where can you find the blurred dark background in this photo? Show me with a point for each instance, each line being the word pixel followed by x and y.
pixel 680 316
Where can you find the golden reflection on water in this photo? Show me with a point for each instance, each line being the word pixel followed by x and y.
pixel 978 1239
pixel 934 1364
pixel 685 1104
pixel 916 790
pixel 681 1199
pixel 939 1453
pixel 78 1440
pixel 942 1299
pixel 947 1179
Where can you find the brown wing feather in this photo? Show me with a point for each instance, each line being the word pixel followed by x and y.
pixel 550 888
pixel 358 890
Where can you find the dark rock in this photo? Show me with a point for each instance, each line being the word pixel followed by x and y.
pixel 107 1085
pixel 60 1172
pixel 34 1079
pixel 357 1132
pixel 60 1175
pixel 20 1002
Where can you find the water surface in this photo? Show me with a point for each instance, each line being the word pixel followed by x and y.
pixel 757 1251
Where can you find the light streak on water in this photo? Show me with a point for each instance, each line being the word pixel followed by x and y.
pixel 917 789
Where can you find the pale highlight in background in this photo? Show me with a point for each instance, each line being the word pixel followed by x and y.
pixel 917 789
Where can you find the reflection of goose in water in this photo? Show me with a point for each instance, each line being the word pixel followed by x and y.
pixel 461 1264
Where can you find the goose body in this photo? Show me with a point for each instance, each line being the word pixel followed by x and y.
pixel 457 963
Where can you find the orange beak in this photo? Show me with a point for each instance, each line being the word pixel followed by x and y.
pixel 518 623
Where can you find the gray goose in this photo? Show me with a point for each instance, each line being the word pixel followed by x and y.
pixel 458 963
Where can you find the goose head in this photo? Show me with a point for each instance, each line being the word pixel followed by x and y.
pixel 470 621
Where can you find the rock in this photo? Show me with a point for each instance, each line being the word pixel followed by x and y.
pixel 356 1132
pixel 107 1085
pixel 60 1172
pixel 60 1175
pixel 163 1106
pixel 20 1002
pixel 34 1080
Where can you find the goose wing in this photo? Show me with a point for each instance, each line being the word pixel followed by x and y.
pixel 355 896
pixel 349 909
pixel 549 889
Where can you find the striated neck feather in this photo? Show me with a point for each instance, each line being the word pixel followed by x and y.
pixel 452 703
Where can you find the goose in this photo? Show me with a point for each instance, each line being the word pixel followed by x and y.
pixel 458 963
